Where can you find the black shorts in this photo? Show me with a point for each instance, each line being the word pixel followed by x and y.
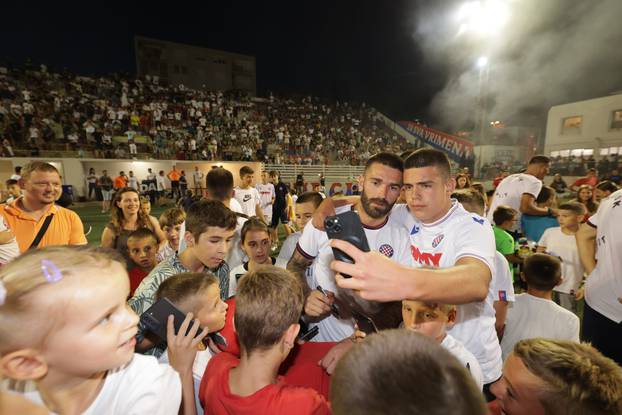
pixel 279 213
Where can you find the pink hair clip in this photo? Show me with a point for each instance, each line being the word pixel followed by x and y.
pixel 50 271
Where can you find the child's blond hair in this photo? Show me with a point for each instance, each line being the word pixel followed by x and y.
pixel 173 216
pixel 24 324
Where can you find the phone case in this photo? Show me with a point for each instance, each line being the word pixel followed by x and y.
pixel 347 227
pixel 156 317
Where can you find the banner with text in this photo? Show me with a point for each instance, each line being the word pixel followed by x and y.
pixel 458 149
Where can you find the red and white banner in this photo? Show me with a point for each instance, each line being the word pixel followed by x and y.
pixel 458 149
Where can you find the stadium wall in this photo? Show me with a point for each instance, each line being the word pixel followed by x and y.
pixel 338 179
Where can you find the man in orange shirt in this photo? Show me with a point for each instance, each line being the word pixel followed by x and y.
pixel 28 215
pixel 120 181
pixel 174 176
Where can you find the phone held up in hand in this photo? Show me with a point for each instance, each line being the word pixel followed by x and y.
pixel 346 226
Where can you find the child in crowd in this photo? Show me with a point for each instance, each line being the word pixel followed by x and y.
pixel 534 226
pixel 255 242
pixel 170 222
pixel 504 218
pixel 432 320
pixel 14 191
pixel 247 195
pixel 534 314
pixel 196 295
pixel 305 207
pixel 379 375
pixel 142 246
pixel 561 242
pixel 145 205
pixel 269 303
pixel 219 186
pixel 80 357
pixel 210 226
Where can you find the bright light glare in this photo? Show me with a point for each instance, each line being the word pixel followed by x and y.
pixel 483 17
pixel 482 61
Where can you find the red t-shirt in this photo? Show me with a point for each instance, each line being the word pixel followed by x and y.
pixel 280 398
pixel 592 181
pixel 136 276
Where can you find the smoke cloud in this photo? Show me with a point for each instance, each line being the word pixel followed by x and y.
pixel 548 53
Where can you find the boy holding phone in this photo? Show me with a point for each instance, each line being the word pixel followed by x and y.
pixel 210 227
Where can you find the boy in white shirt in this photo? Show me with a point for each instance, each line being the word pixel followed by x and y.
pixel 266 196
pixel 248 196
pixel 432 320
pixel 561 242
pixel 534 313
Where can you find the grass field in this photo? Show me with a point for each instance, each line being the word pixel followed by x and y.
pixel 91 216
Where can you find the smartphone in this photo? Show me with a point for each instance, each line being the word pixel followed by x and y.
pixel 305 337
pixel 156 317
pixel 347 227
pixel 364 323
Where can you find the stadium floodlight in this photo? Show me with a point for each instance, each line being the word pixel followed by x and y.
pixel 483 17
pixel 482 61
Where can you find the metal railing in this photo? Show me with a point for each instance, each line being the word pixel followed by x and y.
pixel 311 173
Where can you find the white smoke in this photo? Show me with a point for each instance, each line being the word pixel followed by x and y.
pixel 549 52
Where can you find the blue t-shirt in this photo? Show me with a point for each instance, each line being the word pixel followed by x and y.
pixel 534 226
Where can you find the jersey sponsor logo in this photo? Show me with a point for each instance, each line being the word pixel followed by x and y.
pixel 415 230
pixel 478 220
pixel 437 240
pixel 246 198
pixel 503 295
pixel 386 250
pixel 426 258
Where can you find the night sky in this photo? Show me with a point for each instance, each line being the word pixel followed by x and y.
pixel 354 50
pixel 402 57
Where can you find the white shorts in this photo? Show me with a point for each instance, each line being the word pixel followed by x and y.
pixel 107 194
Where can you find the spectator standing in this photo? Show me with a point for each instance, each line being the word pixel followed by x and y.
pixel 183 184
pixel 120 182
pixel 519 191
pixel 602 316
pixel 174 176
pixel 266 196
pixel 17 175
pixel 35 219
pixel 500 177
pixel 560 242
pixel 246 195
pixel 198 176
pixel 91 180
pixel 161 184
pixel 105 183
pixel 132 181
pixel 534 313
pixel 534 226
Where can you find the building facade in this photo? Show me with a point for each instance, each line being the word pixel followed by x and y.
pixel 585 128
pixel 194 67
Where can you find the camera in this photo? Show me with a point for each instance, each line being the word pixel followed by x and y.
pixel 333 224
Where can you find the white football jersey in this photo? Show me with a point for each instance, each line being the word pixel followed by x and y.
pixel 440 244
pixel 266 194
pixel 510 191
pixel 391 239
pixel 603 289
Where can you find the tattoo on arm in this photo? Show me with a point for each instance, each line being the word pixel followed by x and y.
pixel 298 265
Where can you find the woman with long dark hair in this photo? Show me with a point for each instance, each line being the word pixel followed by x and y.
pixel 463 181
pixel 584 196
pixel 127 216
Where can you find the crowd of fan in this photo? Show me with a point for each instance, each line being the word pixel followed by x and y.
pixel 119 117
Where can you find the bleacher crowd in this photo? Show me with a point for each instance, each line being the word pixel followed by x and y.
pixel 54 113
